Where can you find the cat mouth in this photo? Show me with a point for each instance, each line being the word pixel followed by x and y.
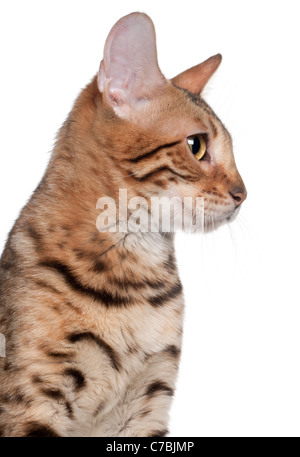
pixel 214 221
pixel 233 215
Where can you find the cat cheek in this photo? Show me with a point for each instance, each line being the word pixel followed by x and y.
pixel 181 191
pixel 206 166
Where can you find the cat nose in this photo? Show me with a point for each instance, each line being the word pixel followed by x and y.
pixel 239 194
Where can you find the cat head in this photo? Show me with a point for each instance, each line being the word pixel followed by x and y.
pixel 164 138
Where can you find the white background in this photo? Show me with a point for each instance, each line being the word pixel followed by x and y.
pixel 240 373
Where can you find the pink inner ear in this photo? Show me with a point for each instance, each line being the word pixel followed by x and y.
pixel 129 70
pixel 194 79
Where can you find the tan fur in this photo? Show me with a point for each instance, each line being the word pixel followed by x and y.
pixel 82 364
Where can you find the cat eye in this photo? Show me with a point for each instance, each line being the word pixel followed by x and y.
pixel 197 145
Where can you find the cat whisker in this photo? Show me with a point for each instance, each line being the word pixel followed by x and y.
pixel 233 240
pixel 244 224
pixel 125 176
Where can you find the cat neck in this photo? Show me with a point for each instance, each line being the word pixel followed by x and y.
pixel 79 173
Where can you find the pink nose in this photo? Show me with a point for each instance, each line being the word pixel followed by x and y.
pixel 239 194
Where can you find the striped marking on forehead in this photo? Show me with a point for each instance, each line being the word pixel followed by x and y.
pixel 198 101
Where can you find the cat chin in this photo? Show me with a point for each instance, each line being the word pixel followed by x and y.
pixel 232 216
pixel 210 226
pixel 212 223
pixel 207 227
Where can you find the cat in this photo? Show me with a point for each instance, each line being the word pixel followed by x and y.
pixel 93 319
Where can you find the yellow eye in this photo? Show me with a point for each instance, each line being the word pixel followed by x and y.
pixel 197 145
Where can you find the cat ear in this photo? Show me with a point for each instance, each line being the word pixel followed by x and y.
pixel 129 71
pixel 194 79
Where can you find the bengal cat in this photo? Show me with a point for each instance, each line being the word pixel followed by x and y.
pixel 93 318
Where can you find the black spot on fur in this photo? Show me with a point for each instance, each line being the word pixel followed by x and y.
pixel 170 264
pixel 99 408
pixel 173 350
pixel 20 398
pixel 69 409
pixel 40 431
pixel 159 433
pixel 6 265
pixel 106 348
pixel 77 376
pixel 16 397
pixel 58 355
pixel 163 298
pixel 169 235
pixel 55 394
pixel 66 228
pixel 7 366
pixel 145 413
pixel 159 387
pixel 98 266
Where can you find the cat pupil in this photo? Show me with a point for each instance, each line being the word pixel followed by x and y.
pixel 196 145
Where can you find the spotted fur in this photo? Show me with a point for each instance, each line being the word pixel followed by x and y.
pixel 93 320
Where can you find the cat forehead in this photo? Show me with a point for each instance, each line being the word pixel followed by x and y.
pixel 206 112
pixel 183 113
